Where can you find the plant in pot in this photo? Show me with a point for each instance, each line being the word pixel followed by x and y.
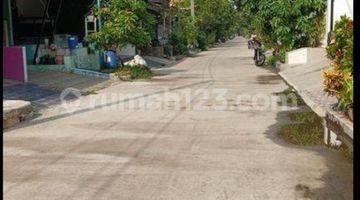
pixel 124 22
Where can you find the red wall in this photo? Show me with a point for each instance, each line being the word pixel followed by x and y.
pixel 14 63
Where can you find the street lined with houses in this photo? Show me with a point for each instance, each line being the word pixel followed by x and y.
pixel 104 149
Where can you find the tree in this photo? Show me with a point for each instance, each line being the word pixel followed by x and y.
pixel 285 24
pixel 124 22
pixel 213 18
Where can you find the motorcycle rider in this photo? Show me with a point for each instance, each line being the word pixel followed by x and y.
pixel 255 44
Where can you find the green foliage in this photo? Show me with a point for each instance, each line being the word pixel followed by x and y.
pixel 341 48
pixel 308 129
pixel 202 40
pixel 178 41
pixel 217 17
pixel 282 55
pixel 215 20
pixel 211 39
pixel 271 61
pixel 124 22
pixel 189 29
pixel 127 72
pixel 338 81
pixel 284 25
pixel 346 93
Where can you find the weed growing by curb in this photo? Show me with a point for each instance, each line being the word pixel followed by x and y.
pixel 292 97
pixel 307 129
pixel 128 73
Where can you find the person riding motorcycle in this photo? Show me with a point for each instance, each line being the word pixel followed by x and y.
pixel 255 44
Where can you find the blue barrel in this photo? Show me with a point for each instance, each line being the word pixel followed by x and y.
pixel 73 42
pixel 110 59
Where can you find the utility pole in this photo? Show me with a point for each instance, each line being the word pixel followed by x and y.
pixel 10 23
pixel 331 22
pixel 99 19
pixel 192 8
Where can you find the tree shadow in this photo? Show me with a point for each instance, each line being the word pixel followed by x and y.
pixel 167 71
pixel 336 182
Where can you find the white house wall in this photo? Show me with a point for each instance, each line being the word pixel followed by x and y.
pixel 343 7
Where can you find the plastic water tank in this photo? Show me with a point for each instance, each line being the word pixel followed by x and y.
pixel 110 59
pixel 73 42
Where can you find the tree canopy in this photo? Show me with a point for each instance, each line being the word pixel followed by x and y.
pixel 284 24
pixel 214 20
pixel 124 22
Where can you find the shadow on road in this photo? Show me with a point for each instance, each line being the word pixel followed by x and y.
pixel 337 182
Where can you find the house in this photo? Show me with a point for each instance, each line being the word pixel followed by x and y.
pixel 36 21
pixel 162 11
pixel 37 33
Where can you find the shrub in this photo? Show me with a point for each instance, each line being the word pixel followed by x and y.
pixel 189 30
pixel 332 81
pixel 340 51
pixel 218 19
pixel 202 40
pixel 271 61
pixel 178 41
pixel 346 92
pixel 211 39
pixel 127 72
pixel 338 81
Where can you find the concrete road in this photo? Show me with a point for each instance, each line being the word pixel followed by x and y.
pixel 194 139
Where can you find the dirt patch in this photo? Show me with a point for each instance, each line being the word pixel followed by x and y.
pixel 303 191
pixel 268 79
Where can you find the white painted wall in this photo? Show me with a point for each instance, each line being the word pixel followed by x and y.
pixel 128 50
pixel 341 7
pixel 305 56
pixel 298 56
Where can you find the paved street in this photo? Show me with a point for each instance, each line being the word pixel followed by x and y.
pixel 203 150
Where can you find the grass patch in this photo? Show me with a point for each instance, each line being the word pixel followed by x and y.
pixel 127 73
pixel 305 117
pixel 291 96
pixel 307 129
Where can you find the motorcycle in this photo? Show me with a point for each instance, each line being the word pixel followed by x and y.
pixel 259 56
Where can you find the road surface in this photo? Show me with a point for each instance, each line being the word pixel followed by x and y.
pixel 208 145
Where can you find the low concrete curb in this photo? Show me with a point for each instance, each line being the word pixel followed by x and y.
pixel 15 111
pixel 306 79
pixel 319 110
